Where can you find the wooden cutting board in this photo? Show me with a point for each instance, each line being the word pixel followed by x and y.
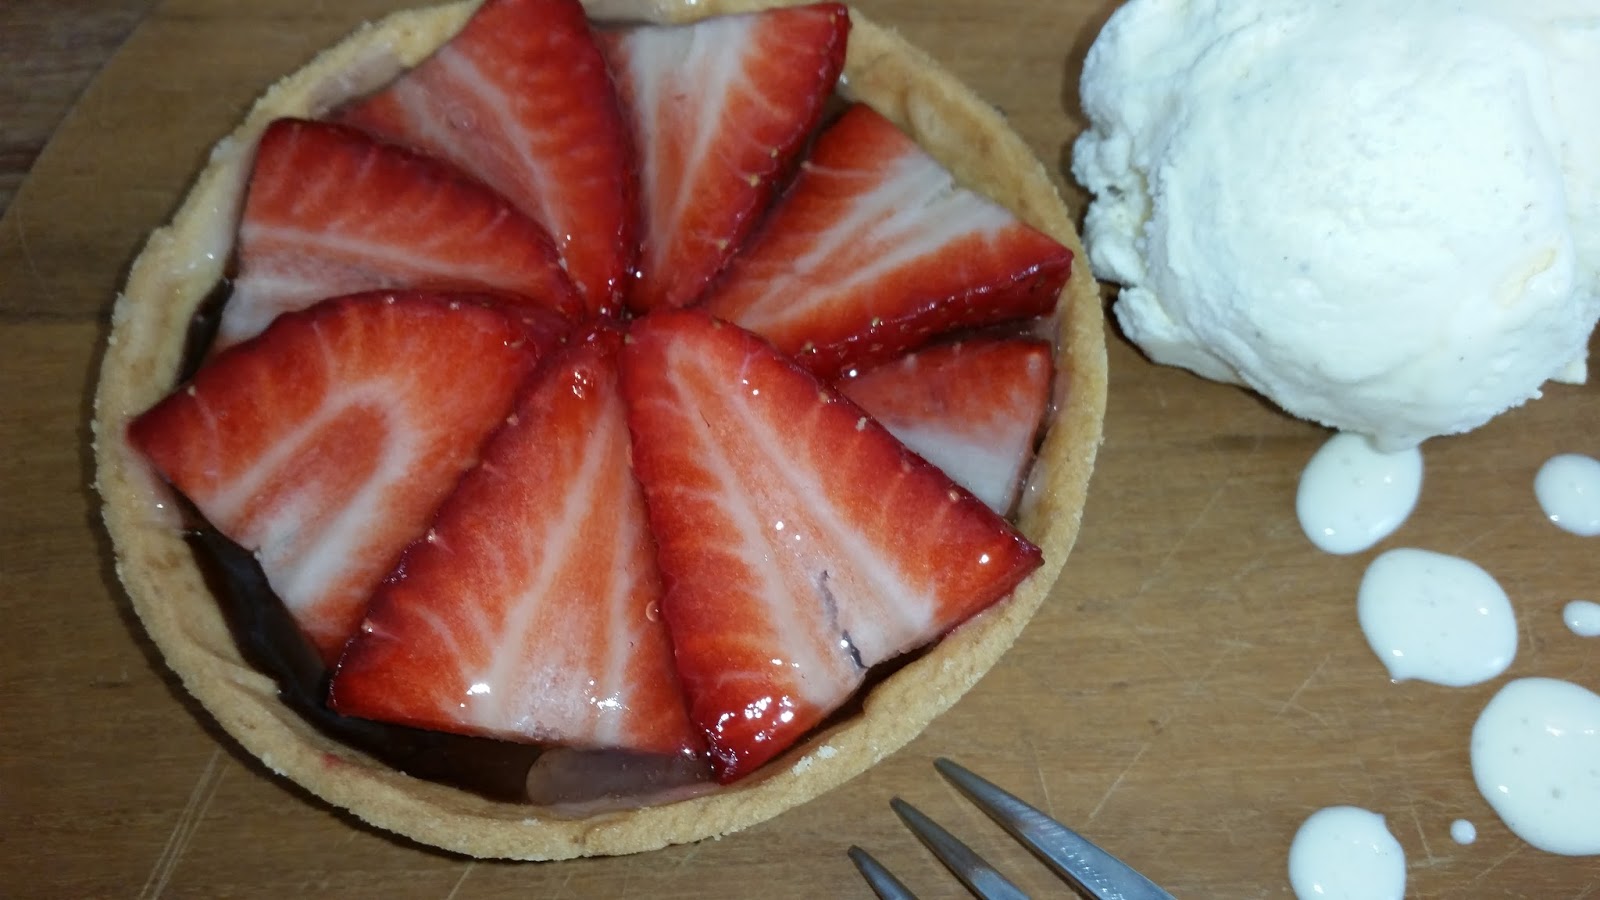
pixel 1196 686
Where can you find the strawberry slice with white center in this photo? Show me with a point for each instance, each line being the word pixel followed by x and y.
pixel 719 109
pixel 973 409
pixel 874 249
pixel 529 611
pixel 799 542
pixel 332 211
pixel 521 99
pixel 325 444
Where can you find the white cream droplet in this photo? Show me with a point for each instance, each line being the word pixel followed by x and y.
pixel 1463 832
pixel 1436 618
pixel 1536 759
pixel 1568 488
pixel 1346 852
pixel 1582 617
pixel 1351 496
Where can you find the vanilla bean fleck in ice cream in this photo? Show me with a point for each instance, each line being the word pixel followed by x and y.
pixel 1385 217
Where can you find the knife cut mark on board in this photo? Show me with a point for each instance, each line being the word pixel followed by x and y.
pixel 471 864
pixel 1496 864
pixel 687 856
pixel 40 282
pixel 1038 774
pixel 1422 835
pixel 1159 570
pixel 1117 782
pixel 1290 702
pixel 205 790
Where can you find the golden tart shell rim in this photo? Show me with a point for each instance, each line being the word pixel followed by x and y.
pixel 181 263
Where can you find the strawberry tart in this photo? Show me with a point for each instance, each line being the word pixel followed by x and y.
pixel 550 431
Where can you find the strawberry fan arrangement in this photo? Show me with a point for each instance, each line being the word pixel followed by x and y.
pixel 622 391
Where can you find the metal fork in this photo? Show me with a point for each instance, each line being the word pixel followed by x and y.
pixel 1094 872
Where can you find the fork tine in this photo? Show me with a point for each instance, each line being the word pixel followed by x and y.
pixel 979 877
pixel 884 884
pixel 1072 856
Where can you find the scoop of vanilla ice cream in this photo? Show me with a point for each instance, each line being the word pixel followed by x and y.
pixel 1383 216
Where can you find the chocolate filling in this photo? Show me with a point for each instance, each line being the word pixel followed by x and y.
pixel 269 639
pixel 582 781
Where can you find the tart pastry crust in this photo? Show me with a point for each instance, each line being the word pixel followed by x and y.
pixel 181 264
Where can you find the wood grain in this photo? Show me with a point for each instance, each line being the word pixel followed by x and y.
pixel 48 51
pixel 1195 688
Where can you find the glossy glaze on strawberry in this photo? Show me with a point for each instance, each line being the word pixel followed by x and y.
pixel 719 109
pixel 799 542
pixel 529 610
pixel 331 211
pixel 325 443
pixel 875 249
pixel 789 541
pixel 973 408
pixel 521 99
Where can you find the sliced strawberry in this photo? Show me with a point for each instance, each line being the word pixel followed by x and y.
pixel 529 610
pixel 333 211
pixel 719 109
pixel 325 444
pixel 798 541
pixel 973 409
pixel 521 99
pixel 874 249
